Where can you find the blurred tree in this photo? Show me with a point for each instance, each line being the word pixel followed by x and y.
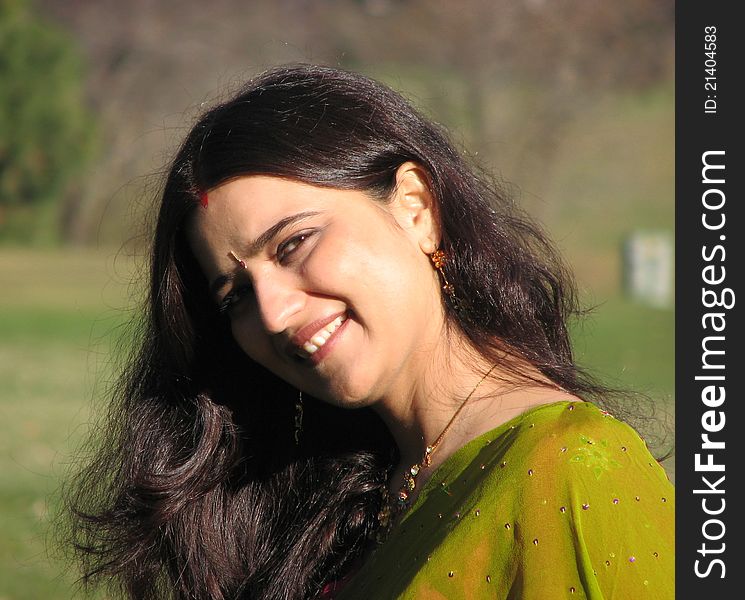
pixel 46 131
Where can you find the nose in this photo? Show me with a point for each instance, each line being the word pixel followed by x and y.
pixel 278 298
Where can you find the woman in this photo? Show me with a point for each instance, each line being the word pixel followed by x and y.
pixel 354 379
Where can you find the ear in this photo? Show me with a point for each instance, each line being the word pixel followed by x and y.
pixel 413 206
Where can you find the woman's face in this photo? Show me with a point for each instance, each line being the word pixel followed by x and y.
pixel 328 289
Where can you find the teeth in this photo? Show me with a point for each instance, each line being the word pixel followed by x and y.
pixel 318 340
pixel 320 337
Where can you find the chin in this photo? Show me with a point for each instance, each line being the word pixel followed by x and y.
pixel 355 404
pixel 347 398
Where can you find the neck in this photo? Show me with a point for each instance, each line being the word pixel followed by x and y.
pixel 420 409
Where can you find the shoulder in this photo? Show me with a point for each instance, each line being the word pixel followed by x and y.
pixel 574 432
pixel 570 449
pixel 563 489
pixel 575 473
pixel 567 419
pixel 573 481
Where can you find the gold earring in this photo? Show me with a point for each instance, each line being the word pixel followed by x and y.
pixel 439 259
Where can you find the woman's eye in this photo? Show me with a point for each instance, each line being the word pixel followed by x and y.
pixel 289 246
pixel 233 298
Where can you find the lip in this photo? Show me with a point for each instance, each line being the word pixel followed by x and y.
pixel 324 350
pixel 306 333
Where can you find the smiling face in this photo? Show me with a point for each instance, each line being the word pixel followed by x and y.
pixel 328 289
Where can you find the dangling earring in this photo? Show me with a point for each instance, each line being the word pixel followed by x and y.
pixel 439 258
pixel 298 417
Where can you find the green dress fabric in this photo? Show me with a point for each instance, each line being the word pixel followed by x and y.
pixel 563 501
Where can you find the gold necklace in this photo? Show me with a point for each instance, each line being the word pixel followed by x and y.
pixel 393 506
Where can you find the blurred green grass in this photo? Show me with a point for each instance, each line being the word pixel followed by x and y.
pixel 58 310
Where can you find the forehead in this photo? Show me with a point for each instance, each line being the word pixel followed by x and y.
pixel 248 205
pixel 257 197
pixel 259 200
pixel 245 207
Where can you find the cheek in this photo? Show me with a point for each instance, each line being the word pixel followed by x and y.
pixel 353 272
pixel 378 274
pixel 340 267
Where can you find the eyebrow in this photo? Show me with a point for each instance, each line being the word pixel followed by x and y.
pixel 254 247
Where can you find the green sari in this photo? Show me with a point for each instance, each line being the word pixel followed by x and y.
pixel 563 501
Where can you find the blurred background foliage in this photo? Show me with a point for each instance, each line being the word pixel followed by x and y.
pixel 569 102
pixel 46 129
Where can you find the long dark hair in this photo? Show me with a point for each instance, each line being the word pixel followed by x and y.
pixel 199 490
